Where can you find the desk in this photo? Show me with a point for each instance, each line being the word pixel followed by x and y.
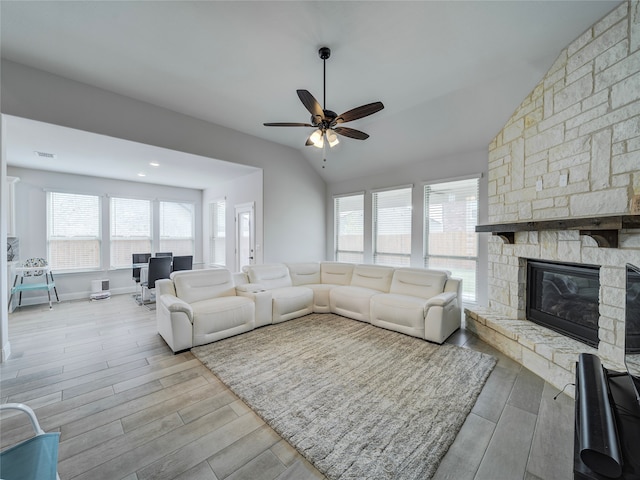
pixel 24 287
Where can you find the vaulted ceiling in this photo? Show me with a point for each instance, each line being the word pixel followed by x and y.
pixel 450 73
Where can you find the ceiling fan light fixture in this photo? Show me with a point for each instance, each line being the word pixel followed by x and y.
pixel 332 138
pixel 317 139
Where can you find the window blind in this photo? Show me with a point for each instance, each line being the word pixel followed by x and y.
pixel 392 227
pixel 450 240
pixel 73 231
pixel 217 232
pixel 130 229
pixel 176 228
pixel 349 228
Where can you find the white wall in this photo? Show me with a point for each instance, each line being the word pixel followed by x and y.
pixel 31 221
pixel 242 190
pixel 418 174
pixel 294 193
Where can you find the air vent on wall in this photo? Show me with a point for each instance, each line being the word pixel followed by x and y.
pixel 45 154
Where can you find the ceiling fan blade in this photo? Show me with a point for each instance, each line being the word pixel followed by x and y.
pixel 311 104
pixel 287 124
pixel 359 112
pixel 351 133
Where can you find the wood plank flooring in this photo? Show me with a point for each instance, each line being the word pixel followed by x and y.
pixel 127 408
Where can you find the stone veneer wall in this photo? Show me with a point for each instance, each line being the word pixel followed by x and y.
pixel 582 120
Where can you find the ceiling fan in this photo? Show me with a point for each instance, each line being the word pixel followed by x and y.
pixel 326 122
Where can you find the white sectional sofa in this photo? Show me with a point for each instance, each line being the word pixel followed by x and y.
pixel 423 303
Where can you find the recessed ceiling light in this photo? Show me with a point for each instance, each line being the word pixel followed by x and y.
pixel 44 154
pixel 154 164
pixel 142 174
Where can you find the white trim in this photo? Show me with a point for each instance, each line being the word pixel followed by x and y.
pixel 352 194
pixel 453 179
pixel 397 187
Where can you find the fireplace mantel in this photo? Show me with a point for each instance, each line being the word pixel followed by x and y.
pixel 604 230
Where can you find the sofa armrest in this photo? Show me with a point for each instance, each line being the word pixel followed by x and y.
pixel 175 305
pixel 263 301
pixel 165 286
pixel 250 288
pixel 441 299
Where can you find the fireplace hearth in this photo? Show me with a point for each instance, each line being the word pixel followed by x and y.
pixel 565 298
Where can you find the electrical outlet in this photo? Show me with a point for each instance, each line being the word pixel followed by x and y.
pixel 564 180
pixel 539 185
pixel 635 205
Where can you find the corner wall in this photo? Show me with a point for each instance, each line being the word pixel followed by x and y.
pixel 583 121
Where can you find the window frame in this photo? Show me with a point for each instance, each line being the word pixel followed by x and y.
pixel 376 222
pixel 339 254
pixel 161 247
pixel 217 212
pixel 470 223
pixel 112 223
pixel 97 214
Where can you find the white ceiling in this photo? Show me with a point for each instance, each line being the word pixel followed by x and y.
pixel 450 73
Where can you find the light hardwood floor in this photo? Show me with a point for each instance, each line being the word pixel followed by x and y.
pixel 127 408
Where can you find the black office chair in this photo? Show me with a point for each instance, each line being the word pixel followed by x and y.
pixel 182 262
pixel 138 259
pixel 164 254
pixel 159 267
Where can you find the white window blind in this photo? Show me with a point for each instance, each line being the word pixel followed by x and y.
pixel 217 233
pixel 451 243
pixel 130 229
pixel 176 228
pixel 348 212
pixel 73 231
pixel 392 227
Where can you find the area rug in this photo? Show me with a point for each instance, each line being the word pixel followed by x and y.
pixel 358 401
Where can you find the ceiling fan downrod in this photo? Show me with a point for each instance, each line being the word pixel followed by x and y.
pixel 324 52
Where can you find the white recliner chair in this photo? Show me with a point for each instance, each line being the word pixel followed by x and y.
pixel 196 307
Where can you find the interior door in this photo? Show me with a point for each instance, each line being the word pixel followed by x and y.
pixel 245 235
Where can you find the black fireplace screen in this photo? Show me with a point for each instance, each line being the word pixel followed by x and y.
pixel 564 298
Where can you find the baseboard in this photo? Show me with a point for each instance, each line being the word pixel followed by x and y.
pixel 67 297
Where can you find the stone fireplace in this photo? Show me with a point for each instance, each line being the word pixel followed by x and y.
pixel 570 153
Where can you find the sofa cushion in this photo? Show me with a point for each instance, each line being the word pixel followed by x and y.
pixel 402 313
pixel 418 282
pixel 372 276
pixel 304 273
pixel 291 302
pixel 321 297
pixel 196 285
pixel 336 273
pixel 223 313
pixel 352 302
pixel 270 276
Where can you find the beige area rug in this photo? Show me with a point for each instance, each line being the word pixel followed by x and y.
pixel 358 401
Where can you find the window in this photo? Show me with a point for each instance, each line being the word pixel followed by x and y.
pixel 176 228
pixel 73 231
pixel 130 229
pixel 450 240
pixel 217 235
pixel 392 227
pixel 348 212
